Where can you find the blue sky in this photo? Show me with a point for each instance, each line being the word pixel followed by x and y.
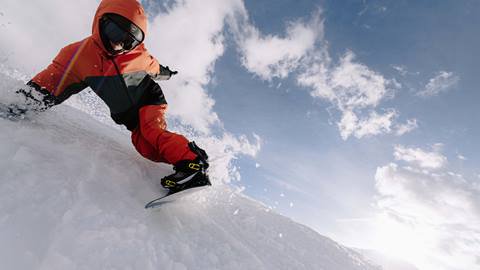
pixel 356 118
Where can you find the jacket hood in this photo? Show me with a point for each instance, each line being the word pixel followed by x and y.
pixel 130 9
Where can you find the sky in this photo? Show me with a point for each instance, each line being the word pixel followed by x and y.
pixel 356 118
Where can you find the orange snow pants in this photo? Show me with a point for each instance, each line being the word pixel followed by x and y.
pixel 154 142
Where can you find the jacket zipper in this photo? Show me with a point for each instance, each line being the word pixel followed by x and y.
pixel 125 87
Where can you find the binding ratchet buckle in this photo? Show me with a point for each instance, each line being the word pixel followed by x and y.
pixel 170 183
pixel 194 166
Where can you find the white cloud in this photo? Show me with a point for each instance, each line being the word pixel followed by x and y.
pixel 356 90
pixel 182 38
pixel 420 158
pixel 374 124
pixel 401 69
pixel 429 217
pixel 407 127
pixel 351 86
pixel 223 150
pixel 273 56
pixel 38 30
pixel 442 82
pixel 355 85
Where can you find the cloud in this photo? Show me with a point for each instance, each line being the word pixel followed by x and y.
pixel 356 91
pixel 442 82
pixel 420 158
pixel 223 150
pixel 38 30
pixel 433 215
pixel 353 85
pixel 401 69
pixel 270 56
pixel 193 51
pixel 402 129
pixel 374 124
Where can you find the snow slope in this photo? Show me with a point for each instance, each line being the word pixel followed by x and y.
pixel 72 192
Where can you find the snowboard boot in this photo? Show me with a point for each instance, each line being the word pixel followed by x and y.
pixel 188 173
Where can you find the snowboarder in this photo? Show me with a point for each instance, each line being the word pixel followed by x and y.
pixel 115 64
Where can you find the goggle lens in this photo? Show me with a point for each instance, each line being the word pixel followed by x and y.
pixel 117 35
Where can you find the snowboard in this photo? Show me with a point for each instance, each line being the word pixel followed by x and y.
pixel 170 197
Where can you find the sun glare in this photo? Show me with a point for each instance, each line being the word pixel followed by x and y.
pixel 408 242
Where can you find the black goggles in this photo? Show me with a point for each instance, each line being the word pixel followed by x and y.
pixel 117 35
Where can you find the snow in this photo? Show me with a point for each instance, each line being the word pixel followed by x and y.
pixel 72 191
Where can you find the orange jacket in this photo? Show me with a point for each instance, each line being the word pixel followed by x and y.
pixel 123 81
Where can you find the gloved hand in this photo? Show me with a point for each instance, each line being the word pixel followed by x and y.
pixel 165 73
pixel 172 72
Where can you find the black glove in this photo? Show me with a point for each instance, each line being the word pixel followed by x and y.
pixel 37 98
pixel 172 72
pixel 165 73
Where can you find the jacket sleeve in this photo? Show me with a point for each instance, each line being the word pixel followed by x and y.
pixel 60 78
pixel 154 68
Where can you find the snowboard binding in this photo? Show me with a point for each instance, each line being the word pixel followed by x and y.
pixel 188 173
